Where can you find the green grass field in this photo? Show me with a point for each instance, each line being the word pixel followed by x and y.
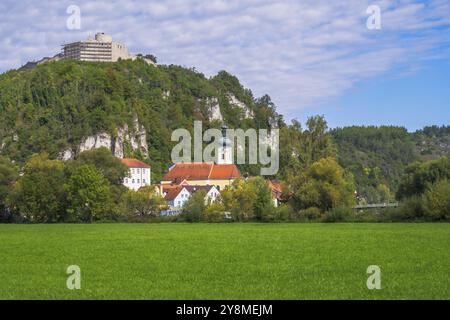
pixel 225 261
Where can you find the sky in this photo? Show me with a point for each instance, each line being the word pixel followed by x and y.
pixel 311 57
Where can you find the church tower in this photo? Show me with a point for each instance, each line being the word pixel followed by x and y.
pixel 225 150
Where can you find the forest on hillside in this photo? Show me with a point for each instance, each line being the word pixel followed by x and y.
pixel 54 107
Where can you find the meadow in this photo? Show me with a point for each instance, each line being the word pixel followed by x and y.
pixel 225 261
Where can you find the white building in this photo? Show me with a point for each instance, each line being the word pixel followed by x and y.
pixel 177 196
pixel 225 150
pixel 139 174
pixel 101 48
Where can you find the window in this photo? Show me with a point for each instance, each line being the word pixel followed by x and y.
pixel 132 181
pixel 126 180
pixel 138 181
pixel 138 170
pixel 223 156
pixel 143 180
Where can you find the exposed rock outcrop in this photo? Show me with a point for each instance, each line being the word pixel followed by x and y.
pixel 213 109
pixel 237 103
pixel 136 138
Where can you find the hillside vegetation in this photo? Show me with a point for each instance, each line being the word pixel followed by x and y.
pixel 60 110
pixel 55 106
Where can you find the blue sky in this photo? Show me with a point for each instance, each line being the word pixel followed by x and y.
pixel 311 57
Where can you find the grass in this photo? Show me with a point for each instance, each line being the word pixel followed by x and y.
pixel 225 261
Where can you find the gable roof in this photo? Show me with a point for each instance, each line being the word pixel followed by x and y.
pixel 201 171
pixel 276 187
pixel 134 163
pixel 172 193
pixel 224 171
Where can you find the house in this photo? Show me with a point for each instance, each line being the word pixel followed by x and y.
pixel 100 48
pixel 222 173
pixel 202 174
pixel 177 195
pixel 277 191
pixel 139 174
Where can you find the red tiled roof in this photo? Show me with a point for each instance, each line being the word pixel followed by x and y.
pixel 224 171
pixel 134 163
pixel 202 171
pixel 173 192
pixel 276 188
pixel 275 185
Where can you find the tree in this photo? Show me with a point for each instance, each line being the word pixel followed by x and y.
pixel 438 200
pixel 300 148
pixel 88 194
pixel 263 206
pixel 248 199
pixel 419 177
pixel 8 175
pixel 195 207
pixel 103 160
pixel 317 143
pixel 39 195
pixel 151 57
pixel 238 200
pixel 215 212
pixel 144 202
pixel 325 185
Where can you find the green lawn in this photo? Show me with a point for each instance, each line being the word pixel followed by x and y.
pixel 225 261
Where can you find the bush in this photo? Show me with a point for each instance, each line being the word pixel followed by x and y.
pixel 310 214
pixel 412 209
pixel 215 212
pixel 284 212
pixel 438 200
pixel 339 214
pixel 194 208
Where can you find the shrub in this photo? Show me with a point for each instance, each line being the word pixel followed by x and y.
pixel 215 212
pixel 412 209
pixel 339 214
pixel 194 208
pixel 438 200
pixel 310 214
pixel 284 212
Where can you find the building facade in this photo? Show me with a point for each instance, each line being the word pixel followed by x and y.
pixel 202 174
pixel 221 174
pixel 139 174
pixel 225 150
pixel 101 48
pixel 177 196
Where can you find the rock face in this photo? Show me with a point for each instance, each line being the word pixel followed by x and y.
pixel 166 94
pixel 213 109
pixel 237 103
pixel 136 138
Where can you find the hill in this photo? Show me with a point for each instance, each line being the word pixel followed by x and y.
pixel 377 156
pixel 131 107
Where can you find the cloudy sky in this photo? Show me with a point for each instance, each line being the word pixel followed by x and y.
pixel 311 57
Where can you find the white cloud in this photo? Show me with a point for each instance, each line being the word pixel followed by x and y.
pixel 302 53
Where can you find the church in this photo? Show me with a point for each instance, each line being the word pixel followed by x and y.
pixel 221 173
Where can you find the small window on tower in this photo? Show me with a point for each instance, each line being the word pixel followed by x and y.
pixel 223 156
